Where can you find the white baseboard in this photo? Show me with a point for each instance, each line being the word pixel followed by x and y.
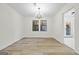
pixel 59 40
pixel 36 37
pixel 10 43
pixel 76 51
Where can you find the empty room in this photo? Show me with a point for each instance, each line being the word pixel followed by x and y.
pixel 39 28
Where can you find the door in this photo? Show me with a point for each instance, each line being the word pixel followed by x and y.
pixel 69 17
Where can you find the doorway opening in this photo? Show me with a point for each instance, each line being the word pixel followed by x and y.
pixel 69 37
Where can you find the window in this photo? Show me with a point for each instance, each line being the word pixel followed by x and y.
pixel 43 25
pixel 69 23
pixel 39 25
pixel 35 25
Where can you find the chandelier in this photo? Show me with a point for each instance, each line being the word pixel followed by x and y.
pixel 38 15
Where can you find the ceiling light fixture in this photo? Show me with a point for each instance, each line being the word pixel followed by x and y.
pixel 38 14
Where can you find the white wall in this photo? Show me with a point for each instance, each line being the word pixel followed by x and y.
pixel 28 28
pixel 10 26
pixel 59 26
pixel 77 31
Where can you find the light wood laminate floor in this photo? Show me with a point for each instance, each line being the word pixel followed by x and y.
pixel 40 46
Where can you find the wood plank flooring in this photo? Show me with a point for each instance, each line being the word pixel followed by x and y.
pixel 39 46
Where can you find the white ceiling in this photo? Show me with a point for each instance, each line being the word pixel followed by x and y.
pixel 30 9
